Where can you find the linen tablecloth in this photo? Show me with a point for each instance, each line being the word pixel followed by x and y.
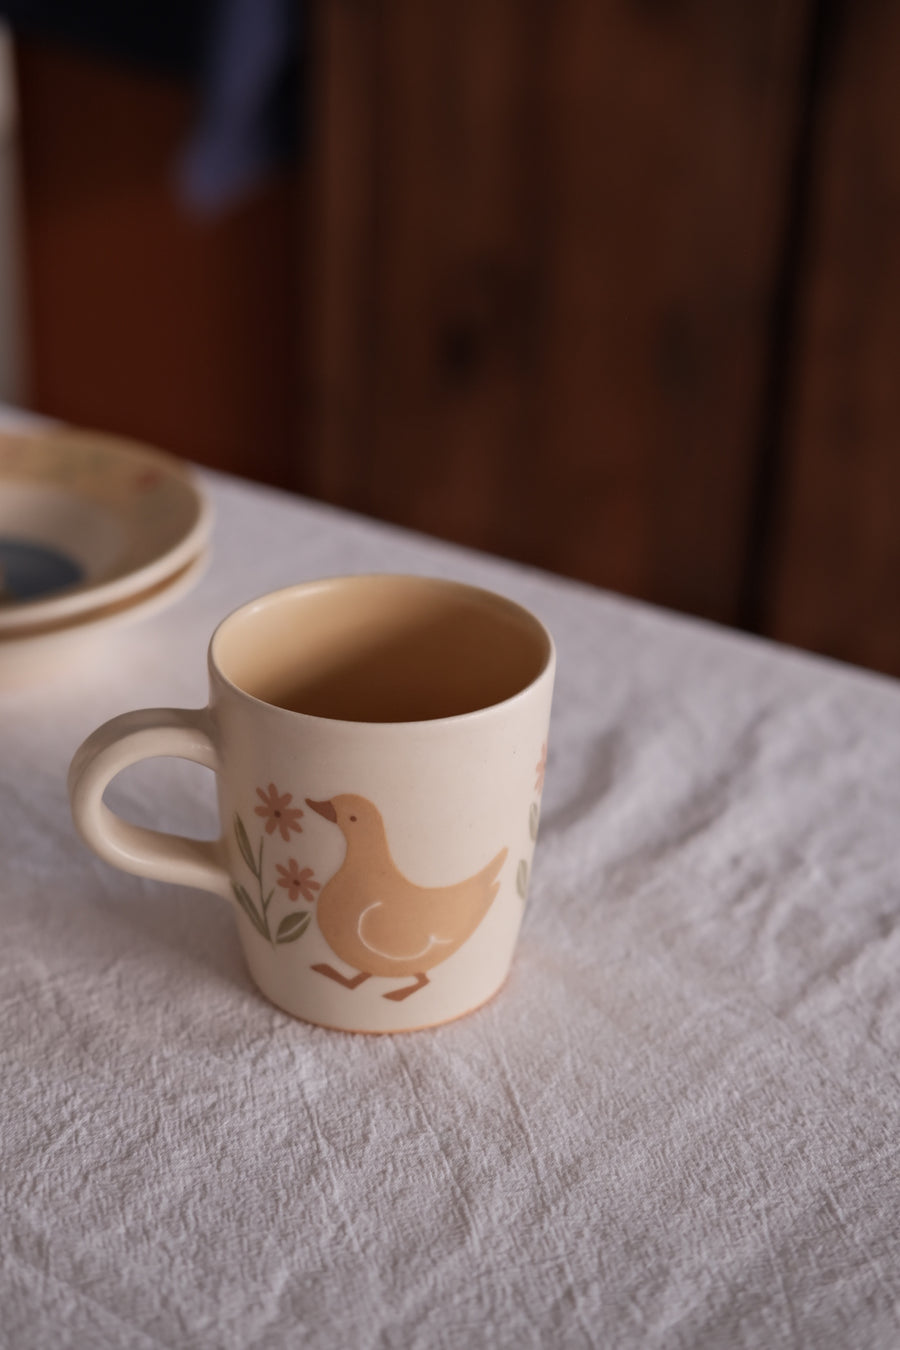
pixel 676 1126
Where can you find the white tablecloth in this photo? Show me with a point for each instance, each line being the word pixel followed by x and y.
pixel 677 1125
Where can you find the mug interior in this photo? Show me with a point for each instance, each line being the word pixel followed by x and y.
pixel 382 649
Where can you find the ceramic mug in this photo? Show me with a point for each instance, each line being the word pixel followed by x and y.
pixel 379 745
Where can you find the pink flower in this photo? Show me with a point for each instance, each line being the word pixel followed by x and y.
pixel 540 769
pixel 278 813
pixel 296 881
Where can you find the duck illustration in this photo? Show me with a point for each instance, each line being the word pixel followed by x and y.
pixel 382 924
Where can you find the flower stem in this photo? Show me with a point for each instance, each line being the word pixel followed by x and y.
pixel 264 902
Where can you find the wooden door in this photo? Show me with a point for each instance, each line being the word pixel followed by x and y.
pixel 543 250
pixel 834 578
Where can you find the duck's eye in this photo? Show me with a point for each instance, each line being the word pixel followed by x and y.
pixel 353 817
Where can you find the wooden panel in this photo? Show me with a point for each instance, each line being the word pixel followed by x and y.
pixel 335 357
pixel 142 319
pixel 542 269
pixel 836 573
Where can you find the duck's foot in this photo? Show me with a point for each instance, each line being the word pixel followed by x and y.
pixel 398 994
pixel 348 981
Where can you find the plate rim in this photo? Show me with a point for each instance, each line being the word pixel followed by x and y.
pixel 53 607
pixel 31 657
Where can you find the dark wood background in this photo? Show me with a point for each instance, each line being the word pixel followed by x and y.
pixel 609 286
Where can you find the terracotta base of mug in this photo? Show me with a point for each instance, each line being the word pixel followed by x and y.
pixel 393 1031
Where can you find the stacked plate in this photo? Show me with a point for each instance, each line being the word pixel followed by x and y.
pixel 94 531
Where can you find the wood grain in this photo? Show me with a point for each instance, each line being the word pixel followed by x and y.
pixel 835 575
pixel 545 244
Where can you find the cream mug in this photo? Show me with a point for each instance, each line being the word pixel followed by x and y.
pixel 379 745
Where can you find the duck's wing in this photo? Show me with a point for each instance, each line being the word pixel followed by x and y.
pixel 404 922
pixel 399 931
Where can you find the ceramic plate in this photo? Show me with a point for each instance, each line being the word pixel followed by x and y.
pixel 87 521
pixel 42 653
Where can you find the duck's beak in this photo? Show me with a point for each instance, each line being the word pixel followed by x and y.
pixel 325 809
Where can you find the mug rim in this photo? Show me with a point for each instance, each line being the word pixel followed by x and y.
pixel 547 668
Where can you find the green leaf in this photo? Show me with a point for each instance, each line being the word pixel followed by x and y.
pixel 522 879
pixel 244 901
pixel 534 816
pixel 249 909
pixel 244 845
pixel 292 926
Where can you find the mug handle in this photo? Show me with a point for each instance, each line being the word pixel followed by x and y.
pixel 147 734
